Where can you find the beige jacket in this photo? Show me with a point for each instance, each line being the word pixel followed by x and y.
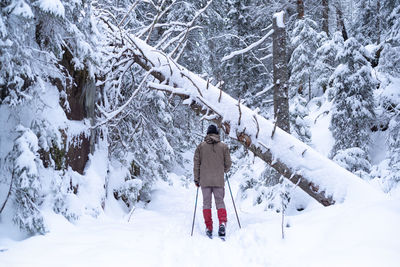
pixel 211 160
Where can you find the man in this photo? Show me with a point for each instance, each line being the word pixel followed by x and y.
pixel 211 160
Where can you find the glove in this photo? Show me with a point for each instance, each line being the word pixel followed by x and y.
pixel 197 183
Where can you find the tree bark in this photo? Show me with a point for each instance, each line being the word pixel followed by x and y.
pixel 325 16
pixel 281 101
pixel 378 21
pixel 80 91
pixel 340 22
pixel 300 9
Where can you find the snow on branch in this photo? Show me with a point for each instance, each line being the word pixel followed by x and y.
pixel 247 49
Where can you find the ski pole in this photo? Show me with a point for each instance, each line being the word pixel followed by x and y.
pixel 194 214
pixel 237 217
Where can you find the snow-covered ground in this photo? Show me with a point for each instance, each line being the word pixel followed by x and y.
pixel 348 234
pixel 362 231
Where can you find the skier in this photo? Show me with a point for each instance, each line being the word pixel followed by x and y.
pixel 211 160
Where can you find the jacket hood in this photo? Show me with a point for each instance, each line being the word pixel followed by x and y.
pixel 212 138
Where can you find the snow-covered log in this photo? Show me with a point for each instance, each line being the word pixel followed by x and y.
pixel 318 176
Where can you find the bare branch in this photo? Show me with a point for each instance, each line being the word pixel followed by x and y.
pixel 113 114
pixel 258 126
pixel 248 48
pixel 195 85
pixel 273 131
pixel 8 194
pixel 126 15
pixel 240 112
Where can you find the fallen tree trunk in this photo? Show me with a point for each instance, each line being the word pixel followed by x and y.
pixel 318 176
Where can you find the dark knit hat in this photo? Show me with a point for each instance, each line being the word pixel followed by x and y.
pixel 212 129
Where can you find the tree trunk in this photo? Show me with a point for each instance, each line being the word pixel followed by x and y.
pixel 325 16
pixel 340 22
pixel 378 21
pixel 300 9
pixel 80 92
pixel 281 101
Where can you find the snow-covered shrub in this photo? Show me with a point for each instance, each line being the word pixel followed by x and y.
pixel 355 160
pixel 52 151
pixel 63 197
pixel 129 192
pixel 299 124
pixel 274 197
pixel 261 184
pixel 26 182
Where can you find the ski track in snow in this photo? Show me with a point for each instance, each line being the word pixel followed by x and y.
pixel 159 235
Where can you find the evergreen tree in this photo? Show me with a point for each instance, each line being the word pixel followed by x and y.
pixel 305 41
pixel 390 64
pixel 26 182
pixel 367 22
pixel 394 151
pixel 17 54
pixel 299 124
pixel 353 105
pixel 390 58
pixel 387 10
pixel 326 62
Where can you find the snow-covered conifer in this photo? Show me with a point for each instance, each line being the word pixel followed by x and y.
pixel 305 40
pixel 394 149
pixel 390 58
pixel 26 182
pixel 326 62
pixel 368 22
pixel 353 103
pixel 299 124
pixel 17 70
pixel 355 160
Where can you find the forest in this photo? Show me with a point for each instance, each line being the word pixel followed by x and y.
pixel 103 102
